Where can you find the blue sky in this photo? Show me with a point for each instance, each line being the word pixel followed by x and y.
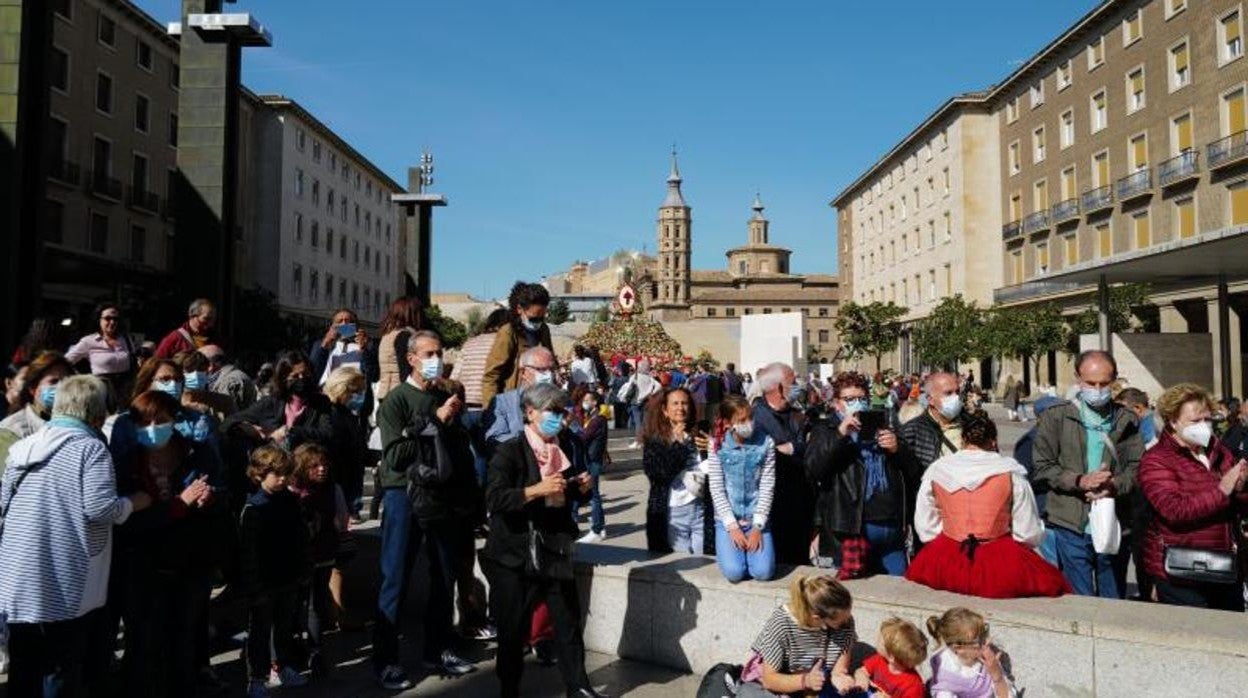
pixel 551 122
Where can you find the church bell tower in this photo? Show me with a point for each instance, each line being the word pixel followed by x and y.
pixel 675 237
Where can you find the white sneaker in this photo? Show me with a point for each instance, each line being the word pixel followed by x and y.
pixel 634 446
pixel 286 677
pixel 592 537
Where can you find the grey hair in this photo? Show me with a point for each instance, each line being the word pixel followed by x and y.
pixel 771 375
pixel 932 378
pixel 84 398
pixel 531 355
pixel 422 334
pixel 544 396
pixel 197 306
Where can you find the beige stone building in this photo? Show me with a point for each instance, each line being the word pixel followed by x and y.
pixel 920 225
pixel 111 151
pixel 1124 153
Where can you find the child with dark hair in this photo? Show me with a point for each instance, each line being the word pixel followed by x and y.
pixel 274 562
pixel 324 511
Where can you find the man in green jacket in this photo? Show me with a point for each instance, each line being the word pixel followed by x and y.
pixel 1086 450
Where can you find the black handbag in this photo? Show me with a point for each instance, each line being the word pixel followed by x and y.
pixel 548 557
pixel 1200 566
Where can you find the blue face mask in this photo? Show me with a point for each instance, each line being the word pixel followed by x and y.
pixel 171 388
pixel 856 405
pixel 431 368
pixel 356 403
pixel 551 424
pixel 47 396
pixel 154 435
pixel 1094 397
pixel 532 325
pixel 196 380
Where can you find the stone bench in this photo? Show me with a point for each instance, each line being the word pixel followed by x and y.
pixel 679 611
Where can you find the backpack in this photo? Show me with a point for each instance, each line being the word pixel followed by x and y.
pixel 722 681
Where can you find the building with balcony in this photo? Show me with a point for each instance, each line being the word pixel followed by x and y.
pixel 917 226
pixel 1124 149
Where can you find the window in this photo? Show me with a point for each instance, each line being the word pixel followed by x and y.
pixel 138 243
pixel 54 218
pixel 138 174
pixel 1233 112
pixel 1137 151
pixel 299 183
pixel 102 158
pixel 314 285
pixel 1180 70
pixel 1132 28
pixel 356 248
pixel 104 93
pixel 1037 145
pixel 1016 266
pixel 316 234
pixel 1239 205
pixel 142 113
pixel 945 180
pixel 1185 217
pixel 1070 184
pixel 97 236
pixel 1104 241
pixel 1099 112
pixel 1065 75
pixel 1040 196
pixel 1100 169
pixel 329 240
pixel 1140 228
pixel 296 280
pixel 1066 137
pixel 1096 53
pixel 931 235
pixel 329 201
pixel 106 31
pixel 1036 94
pixel 1015 164
pixel 342 292
pixel 175 75
pixel 316 150
pixel 316 191
pixel 1230 37
pixel 143 54
pixel 823 312
pixel 301 139
pixel 1016 206
pixel 58 71
pixel 342 246
pixel 1070 253
pixel 1174 7
pixel 1135 90
pixel 173 130
pixel 948 227
pixel 1011 111
pixel 1042 258
pixel 1181 134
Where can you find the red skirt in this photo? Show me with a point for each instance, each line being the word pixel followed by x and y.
pixel 998 569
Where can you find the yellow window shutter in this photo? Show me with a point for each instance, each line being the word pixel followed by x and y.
pixel 1180 58
pixel 1137 82
pixel 1235 112
pixel 1139 151
pixel 1231 25
pixel 1183 131
pixel 1187 219
pixel 1239 206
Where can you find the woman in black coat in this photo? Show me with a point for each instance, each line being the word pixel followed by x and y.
pixel 671 462
pixel 532 485
pixel 294 411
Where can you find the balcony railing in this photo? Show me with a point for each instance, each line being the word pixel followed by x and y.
pixel 1035 222
pixel 1135 184
pixel 1098 199
pixel 1182 167
pixel 65 172
pixel 1065 210
pixel 1228 151
pixel 104 186
pixel 1011 230
pixel 144 199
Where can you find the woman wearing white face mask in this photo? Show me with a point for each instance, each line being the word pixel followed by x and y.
pixel 741 468
pixel 1196 488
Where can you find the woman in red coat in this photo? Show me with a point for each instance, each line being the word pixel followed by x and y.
pixel 1196 488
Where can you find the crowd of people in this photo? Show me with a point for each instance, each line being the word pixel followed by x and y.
pixel 147 486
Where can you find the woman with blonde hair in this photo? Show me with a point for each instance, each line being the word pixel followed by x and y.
pixel 805 644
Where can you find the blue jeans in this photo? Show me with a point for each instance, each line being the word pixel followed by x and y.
pixel 1089 572
pixel 396 558
pixel 886 549
pixel 1048 547
pixel 685 532
pixel 597 521
pixel 471 420
pixel 738 564
pixel 636 413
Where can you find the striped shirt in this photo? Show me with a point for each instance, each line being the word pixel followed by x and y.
pixel 58 527
pixel 719 492
pixel 790 648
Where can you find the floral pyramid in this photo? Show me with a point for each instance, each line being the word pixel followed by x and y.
pixel 633 337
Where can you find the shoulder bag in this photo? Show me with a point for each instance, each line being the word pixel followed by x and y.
pixel 548 558
pixel 1200 566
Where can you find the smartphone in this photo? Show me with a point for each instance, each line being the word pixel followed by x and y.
pixel 347 330
pixel 872 421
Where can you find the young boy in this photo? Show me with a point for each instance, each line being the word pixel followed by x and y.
pixel 901 648
pixel 274 562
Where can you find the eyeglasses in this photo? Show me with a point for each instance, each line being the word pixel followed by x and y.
pixel 112 318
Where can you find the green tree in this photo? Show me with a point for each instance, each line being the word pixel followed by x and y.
pixel 558 312
pixel 869 330
pixel 474 321
pixel 951 335
pixel 1125 302
pixel 452 331
pixel 1028 333
pixel 603 313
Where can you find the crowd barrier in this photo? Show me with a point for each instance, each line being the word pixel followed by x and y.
pixel 678 611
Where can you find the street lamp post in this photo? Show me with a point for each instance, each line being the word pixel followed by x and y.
pixel 418 227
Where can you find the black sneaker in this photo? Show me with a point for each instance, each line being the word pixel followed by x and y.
pixel 450 664
pixel 544 650
pixel 393 678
